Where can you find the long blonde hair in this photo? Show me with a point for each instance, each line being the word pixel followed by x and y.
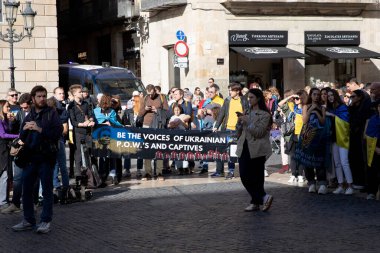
pixel 136 106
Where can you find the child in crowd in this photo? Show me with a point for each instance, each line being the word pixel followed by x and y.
pixel 179 121
pixel 208 116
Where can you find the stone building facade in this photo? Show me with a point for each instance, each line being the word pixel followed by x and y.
pixel 209 25
pixel 35 59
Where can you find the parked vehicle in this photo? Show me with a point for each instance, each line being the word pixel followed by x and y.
pixel 98 79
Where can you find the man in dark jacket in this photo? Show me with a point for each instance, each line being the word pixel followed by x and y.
pixel 81 117
pixel 227 118
pixel 40 133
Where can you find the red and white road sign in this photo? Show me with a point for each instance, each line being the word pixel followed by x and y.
pixel 181 49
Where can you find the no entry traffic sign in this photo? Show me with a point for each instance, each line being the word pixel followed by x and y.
pixel 181 49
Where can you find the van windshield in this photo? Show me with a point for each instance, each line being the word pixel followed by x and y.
pixel 122 87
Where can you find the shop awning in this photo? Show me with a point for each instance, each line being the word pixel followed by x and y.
pixel 343 52
pixel 268 52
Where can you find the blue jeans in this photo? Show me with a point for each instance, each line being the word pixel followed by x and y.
pixel 30 174
pixel 60 165
pixel 17 185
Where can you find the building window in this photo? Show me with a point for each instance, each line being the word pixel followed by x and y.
pixel 345 69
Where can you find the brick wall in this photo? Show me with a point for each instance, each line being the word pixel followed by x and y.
pixel 35 59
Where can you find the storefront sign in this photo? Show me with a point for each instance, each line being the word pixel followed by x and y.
pixel 161 143
pixel 340 50
pixel 253 38
pixel 261 50
pixel 332 38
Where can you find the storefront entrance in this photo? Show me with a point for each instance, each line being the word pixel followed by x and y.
pixel 333 56
pixel 257 56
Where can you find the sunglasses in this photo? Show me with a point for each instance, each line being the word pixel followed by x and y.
pixel 296 98
pixel 13 95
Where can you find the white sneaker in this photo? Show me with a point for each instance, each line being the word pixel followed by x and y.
pixel 252 208
pixel 339 190
pixel 22 226
pixel 300 179
pixel 322 189
pixel 349 191
pixel 266 173
pixel 11 209
pixel 292 179
pixel 312 188
pixel 43 228
pixel 112 173
pixel 371 196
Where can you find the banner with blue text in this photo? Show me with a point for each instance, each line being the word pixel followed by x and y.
pixel 161 144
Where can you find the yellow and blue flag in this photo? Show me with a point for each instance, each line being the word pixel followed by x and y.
pixel 372 134
pixel 342 126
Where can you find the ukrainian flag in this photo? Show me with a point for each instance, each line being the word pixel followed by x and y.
pixel 372 134
pixel 342 126
pixel 298 123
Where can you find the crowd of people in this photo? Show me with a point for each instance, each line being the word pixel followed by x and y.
pixel 328 136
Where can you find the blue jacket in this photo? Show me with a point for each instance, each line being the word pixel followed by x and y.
pixel 101 117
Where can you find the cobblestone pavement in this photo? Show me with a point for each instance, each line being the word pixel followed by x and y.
pixel 204 216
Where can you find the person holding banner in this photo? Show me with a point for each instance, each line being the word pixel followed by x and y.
pixel 340 138
pixel 105 115
pixel 129 119
pixel 252 149
pixel 152 111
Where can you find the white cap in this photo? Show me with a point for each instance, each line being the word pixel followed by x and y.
pixel 135 93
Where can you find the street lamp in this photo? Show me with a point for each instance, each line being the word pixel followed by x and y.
pixel 11 37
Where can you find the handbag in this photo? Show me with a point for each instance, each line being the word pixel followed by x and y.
pixel 15 147
pixel 18 152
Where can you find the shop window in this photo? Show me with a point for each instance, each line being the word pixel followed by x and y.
pixel 344 69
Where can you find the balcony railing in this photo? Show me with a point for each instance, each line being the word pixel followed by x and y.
pixel 156 5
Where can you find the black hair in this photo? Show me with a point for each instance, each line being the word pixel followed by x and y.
pixel 309 101
pixel 261 101
pixel 38 88
pixel 25 98
pixel 337 100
